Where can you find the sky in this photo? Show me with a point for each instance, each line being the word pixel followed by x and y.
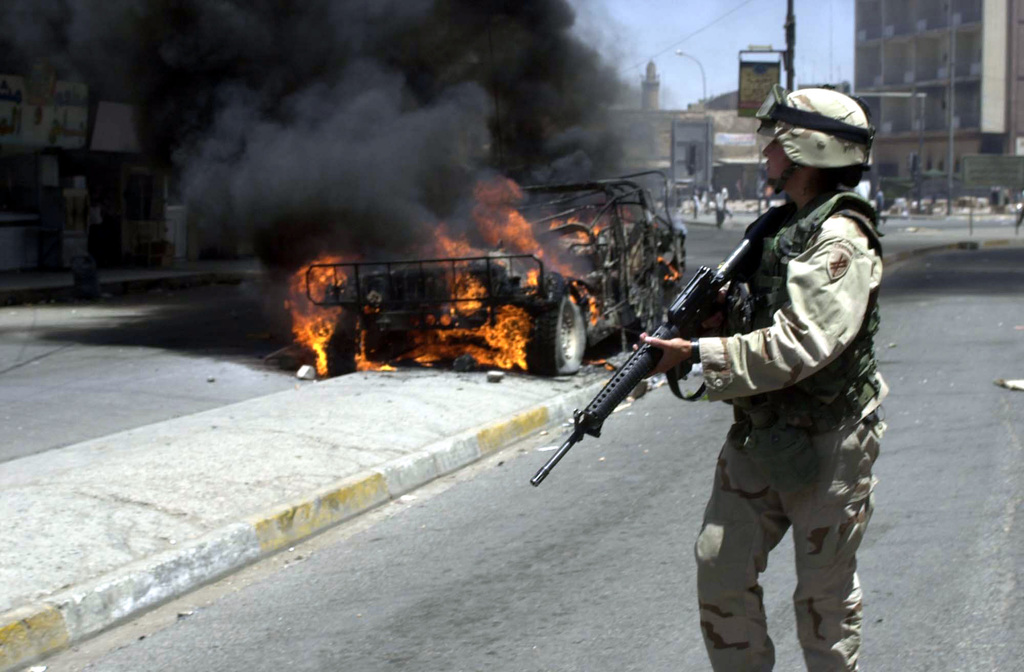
pixel 631 32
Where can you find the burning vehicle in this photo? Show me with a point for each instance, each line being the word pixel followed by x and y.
pixel 568 266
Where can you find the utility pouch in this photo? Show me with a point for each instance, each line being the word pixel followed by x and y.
pixel 784 454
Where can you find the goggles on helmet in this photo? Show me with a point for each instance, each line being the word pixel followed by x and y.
pixel 774 109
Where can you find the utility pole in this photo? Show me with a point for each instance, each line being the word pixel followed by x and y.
pixel 951 105
pixel 790 44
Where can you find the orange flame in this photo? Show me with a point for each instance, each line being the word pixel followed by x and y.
pixel 312 325
pixel 672 273
pixel 501 344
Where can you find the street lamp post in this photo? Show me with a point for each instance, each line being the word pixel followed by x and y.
pixel 703 81
pixel 951 104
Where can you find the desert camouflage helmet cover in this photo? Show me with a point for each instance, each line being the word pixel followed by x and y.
pixel 821 128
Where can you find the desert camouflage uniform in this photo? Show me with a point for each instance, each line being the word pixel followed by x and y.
pixel 831 286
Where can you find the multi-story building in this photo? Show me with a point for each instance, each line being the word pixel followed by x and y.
pixel 904 46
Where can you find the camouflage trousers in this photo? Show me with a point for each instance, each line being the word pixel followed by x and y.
pixel 746 518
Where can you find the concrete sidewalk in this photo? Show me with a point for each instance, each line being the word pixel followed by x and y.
pixel 101 530
pixel 18 287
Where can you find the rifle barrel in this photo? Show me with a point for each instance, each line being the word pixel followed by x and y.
pixel 543 472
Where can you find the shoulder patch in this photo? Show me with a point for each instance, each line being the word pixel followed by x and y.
pixel 839 259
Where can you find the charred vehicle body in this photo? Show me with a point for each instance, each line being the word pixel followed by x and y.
pixel 607 263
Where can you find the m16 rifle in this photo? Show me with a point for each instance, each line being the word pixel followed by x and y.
pixel 697 301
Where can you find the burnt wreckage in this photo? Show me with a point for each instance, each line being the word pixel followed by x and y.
pixel 619 262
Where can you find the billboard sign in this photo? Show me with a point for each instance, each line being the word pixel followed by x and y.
pixel 53 115
pixel 993 170
pixel 756 80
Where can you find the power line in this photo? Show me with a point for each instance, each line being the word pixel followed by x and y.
pixel 696 32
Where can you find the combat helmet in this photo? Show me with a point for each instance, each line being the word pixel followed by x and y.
pixel 821 128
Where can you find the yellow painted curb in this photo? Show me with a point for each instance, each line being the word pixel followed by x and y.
pixel 29 632
pixel 500 435
pixel 301 520
pixel 996 243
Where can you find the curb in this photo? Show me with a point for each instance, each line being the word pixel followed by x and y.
pixel 961 245
pixel 12 297
pixel 31 632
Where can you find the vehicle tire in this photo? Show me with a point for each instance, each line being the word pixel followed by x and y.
pixel 558 340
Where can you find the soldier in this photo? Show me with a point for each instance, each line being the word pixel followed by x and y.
pixel 799 370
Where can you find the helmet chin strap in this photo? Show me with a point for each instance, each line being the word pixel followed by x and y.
pixel 779 183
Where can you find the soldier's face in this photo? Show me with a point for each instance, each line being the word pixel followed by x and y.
pixel 776 159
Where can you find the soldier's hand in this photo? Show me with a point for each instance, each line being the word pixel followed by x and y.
pixel 677 350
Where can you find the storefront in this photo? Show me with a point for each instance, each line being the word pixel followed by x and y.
pixel 43 219
pixel 73 181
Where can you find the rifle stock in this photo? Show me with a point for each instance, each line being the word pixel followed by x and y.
pixel 688 310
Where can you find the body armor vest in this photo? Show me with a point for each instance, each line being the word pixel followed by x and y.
pixel 845 386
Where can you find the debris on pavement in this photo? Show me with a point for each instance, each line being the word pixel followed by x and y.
pixel 465 362
pixel 211 379
pixel 1011 384
pixel 306 372
pixel 546 449
pixel 495 376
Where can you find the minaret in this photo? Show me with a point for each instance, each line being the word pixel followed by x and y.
pixel 650 85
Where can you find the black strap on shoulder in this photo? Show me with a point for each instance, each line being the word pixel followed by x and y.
pixel 677 373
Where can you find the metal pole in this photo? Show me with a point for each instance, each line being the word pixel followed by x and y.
pixel 790 44
pixel 951 105
pixel 703 81
pixel 920 151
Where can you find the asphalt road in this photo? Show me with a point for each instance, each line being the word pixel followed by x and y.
pixel 594 570
pixel 70 372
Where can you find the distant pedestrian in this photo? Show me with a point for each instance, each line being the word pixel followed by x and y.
pixel 880 204
pixel 1020 214
pixel 722 206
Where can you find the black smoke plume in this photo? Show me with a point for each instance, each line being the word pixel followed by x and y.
pixel 350 126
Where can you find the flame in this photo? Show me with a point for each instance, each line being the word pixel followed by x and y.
pixel 467 286
pixel 588 301
pixel 672 273
pixel 500 342
pixel 501 345
pixel 312 325
pixel 501 224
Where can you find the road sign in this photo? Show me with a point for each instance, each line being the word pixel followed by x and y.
pixel 993 170
pixel 756 80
